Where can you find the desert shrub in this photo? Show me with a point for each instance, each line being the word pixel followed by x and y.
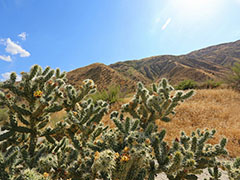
pixel 233 79
pixel 186 84
pixel 111 95
pixel 81 147
pixel 209 84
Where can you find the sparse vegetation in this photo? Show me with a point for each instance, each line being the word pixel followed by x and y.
pixel 80 146
pixel 111 95
pixel 234 78
pixel 186 84
pixel 191 84
pixel 209 84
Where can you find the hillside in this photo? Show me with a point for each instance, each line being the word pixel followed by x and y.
pixel 102 75
pixel 224 54
pixel 209 63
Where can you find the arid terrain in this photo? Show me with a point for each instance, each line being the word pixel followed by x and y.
pixel 213 109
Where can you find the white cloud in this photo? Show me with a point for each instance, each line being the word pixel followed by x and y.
pixel 6 76
pixel 23 36
pixel 166 23
pixel 14 49
pixel 6 58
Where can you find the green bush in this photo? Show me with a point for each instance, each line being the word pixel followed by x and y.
pixel 186 84
pixel 234 78
pixel 111 95
pixel 81 147
pixel 209 84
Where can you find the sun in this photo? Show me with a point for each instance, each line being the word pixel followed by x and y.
pixel 196 9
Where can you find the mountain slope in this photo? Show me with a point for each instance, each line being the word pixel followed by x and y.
pixel 102 75
pixel 209 63
pixel 224 54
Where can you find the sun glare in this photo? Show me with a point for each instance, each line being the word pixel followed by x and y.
pixel 196 9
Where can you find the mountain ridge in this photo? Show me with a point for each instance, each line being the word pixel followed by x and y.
pixel 212 62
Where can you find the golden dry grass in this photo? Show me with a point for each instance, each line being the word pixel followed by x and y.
pixel 216 108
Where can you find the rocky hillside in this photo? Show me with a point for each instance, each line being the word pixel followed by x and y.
pixel 209 63
pixel 102 75
pixel 224 54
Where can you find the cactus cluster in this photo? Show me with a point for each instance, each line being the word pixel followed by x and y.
pixel 81 147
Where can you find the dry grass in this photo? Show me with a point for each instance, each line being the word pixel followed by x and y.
pixel 216 108
pixel 56 117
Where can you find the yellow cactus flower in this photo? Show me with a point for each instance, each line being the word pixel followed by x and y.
pixel 96 156
pixel 45 174
pixel 126 149
pixel 125 158
pixel 38 94
pixel 116 155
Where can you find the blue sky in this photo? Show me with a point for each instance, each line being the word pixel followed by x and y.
pixel 74 33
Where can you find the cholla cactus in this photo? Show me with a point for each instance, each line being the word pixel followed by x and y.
pixel 7 161
pixel 31 174
pixel 131 149
pixel 133 138
pixel 215 173
pixel 159 105
pixel 190 155
pixel 233 169
pixel 30 104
